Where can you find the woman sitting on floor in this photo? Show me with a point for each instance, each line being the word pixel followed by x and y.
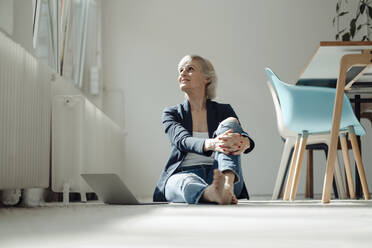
pixel 206 142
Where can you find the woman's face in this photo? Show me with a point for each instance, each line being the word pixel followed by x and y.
pixel 191 77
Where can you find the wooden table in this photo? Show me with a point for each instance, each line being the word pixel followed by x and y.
pixel 348 62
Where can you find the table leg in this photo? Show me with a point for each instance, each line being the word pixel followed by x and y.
pixel 346 62
pixel 358 186
pixel 309 192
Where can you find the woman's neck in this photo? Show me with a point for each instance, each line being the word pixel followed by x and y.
pixel 197 103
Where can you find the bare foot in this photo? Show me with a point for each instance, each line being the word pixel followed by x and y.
pixel 229 184
pixel 217 192
pixel 234 199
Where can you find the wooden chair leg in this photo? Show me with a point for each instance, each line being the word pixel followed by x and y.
pixel 309 191
pixel 298 165
pixel 285 163
pixel 345 154
pixel 339 184
pixel 291 170
pixel 359 162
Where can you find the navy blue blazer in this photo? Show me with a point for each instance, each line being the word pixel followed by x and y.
pixel 177 122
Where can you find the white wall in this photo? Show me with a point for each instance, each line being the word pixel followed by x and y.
pixel 23 23
pixel 6 16
pixel 16 20
pixel 144 40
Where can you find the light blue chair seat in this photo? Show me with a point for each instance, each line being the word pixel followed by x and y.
pixel 307 108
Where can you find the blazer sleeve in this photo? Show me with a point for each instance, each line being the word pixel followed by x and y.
pixel 178 134
pixel 243 133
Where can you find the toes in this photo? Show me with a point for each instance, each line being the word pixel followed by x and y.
pixel 234 200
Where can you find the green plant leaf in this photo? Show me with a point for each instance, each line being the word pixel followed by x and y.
pixel 337 7
pixel 346 37
pixel 362 8
pixel 343 13
pixel 359 27
pixel 370 11
pixel 343 30
pixel 365 38
pixel 352 27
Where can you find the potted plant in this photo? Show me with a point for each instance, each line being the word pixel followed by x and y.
pixel 355 24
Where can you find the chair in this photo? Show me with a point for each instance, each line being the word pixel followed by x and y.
pixel 306 112
pixel 290 141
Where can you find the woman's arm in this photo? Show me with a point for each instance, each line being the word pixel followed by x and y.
pixel 179 136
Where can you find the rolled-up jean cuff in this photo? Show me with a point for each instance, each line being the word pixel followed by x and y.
pixel 198 198
pixel 237 178
pixel 193 192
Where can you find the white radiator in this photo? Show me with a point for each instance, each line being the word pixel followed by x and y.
pixel 34 103
pixel 25 110
pixel 84 140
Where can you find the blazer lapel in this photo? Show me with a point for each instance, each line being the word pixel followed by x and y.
pixel 187 116
pixel 211 118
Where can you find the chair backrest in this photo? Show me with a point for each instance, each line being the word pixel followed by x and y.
pixel 283 131
pixel 278 90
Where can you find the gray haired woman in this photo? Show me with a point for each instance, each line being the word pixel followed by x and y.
pixel 206 142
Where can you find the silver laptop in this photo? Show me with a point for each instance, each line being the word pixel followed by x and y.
pixel 111 189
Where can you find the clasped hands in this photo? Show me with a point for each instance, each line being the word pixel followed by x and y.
pixel 228 143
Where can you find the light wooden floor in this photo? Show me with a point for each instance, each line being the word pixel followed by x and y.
pixel 249 224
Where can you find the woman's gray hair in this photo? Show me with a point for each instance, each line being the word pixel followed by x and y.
pixel 207 69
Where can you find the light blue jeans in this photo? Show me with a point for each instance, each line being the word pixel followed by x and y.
pixel 188 183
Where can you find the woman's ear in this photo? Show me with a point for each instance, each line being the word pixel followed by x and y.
pixel 208 80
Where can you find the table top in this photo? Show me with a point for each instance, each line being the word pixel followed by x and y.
pixel 323 67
